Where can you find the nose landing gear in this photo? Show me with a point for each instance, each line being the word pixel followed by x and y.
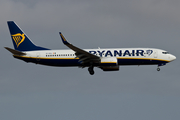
pixel 158 69
pixel 162 64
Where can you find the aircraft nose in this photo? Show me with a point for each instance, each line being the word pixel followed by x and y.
pixel 172 57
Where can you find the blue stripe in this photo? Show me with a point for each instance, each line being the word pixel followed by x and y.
pixel 139 62
pixel 75 62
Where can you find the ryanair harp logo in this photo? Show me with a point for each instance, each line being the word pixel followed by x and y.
pixel 18 38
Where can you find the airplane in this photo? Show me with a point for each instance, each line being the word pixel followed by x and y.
pixel 107 59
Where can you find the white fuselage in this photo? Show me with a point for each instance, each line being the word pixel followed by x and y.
pixel 125 56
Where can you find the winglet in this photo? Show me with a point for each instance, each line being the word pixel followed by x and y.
pixel 63 39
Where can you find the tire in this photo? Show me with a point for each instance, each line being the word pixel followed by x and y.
pixel 91 71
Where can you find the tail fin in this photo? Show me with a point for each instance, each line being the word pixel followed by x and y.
pixel 20 40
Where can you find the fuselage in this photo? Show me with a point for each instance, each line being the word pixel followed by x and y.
pixel 125 56
pixel 108 59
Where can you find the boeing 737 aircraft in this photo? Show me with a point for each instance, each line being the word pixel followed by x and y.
pixel 106 59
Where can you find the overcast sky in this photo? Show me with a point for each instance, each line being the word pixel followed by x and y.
pixel 29 91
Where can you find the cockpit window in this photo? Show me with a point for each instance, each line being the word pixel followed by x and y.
pixel 165 52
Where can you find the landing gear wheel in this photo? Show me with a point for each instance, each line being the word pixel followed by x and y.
pixel 91 71
pixel 158 69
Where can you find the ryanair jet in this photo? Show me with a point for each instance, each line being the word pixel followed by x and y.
pixel 105 59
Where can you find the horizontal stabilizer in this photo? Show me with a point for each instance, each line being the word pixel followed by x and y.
pixel 15 52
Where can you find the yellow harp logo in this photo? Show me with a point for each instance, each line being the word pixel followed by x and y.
pixel 18 38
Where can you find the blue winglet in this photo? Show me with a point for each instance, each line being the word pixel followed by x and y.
pixel 63 39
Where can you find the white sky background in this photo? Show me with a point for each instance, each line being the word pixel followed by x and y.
pixel 29 91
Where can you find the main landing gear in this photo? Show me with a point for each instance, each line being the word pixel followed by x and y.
pixel 91 70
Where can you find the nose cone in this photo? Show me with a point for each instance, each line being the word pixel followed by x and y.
pixel 172 57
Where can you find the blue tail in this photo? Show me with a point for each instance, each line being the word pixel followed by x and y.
pixel 20 40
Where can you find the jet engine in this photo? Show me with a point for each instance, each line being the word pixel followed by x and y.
pixel 109 64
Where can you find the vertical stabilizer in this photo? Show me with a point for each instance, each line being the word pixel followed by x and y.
pixel 20 40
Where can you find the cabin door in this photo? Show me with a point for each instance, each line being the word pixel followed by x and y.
pixel 38 56
pixel 155 54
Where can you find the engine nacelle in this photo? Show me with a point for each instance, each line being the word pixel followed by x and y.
pixel 110 68
pixel 109 61
pixel 109 64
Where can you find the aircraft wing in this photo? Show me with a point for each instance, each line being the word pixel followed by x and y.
pixel 83 55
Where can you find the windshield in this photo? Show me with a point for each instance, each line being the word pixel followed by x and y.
pixel 165 52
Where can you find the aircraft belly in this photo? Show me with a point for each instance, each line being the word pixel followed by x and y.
pixel 75 62
pixel 139 62
pixel 51 62
pixel 59 62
